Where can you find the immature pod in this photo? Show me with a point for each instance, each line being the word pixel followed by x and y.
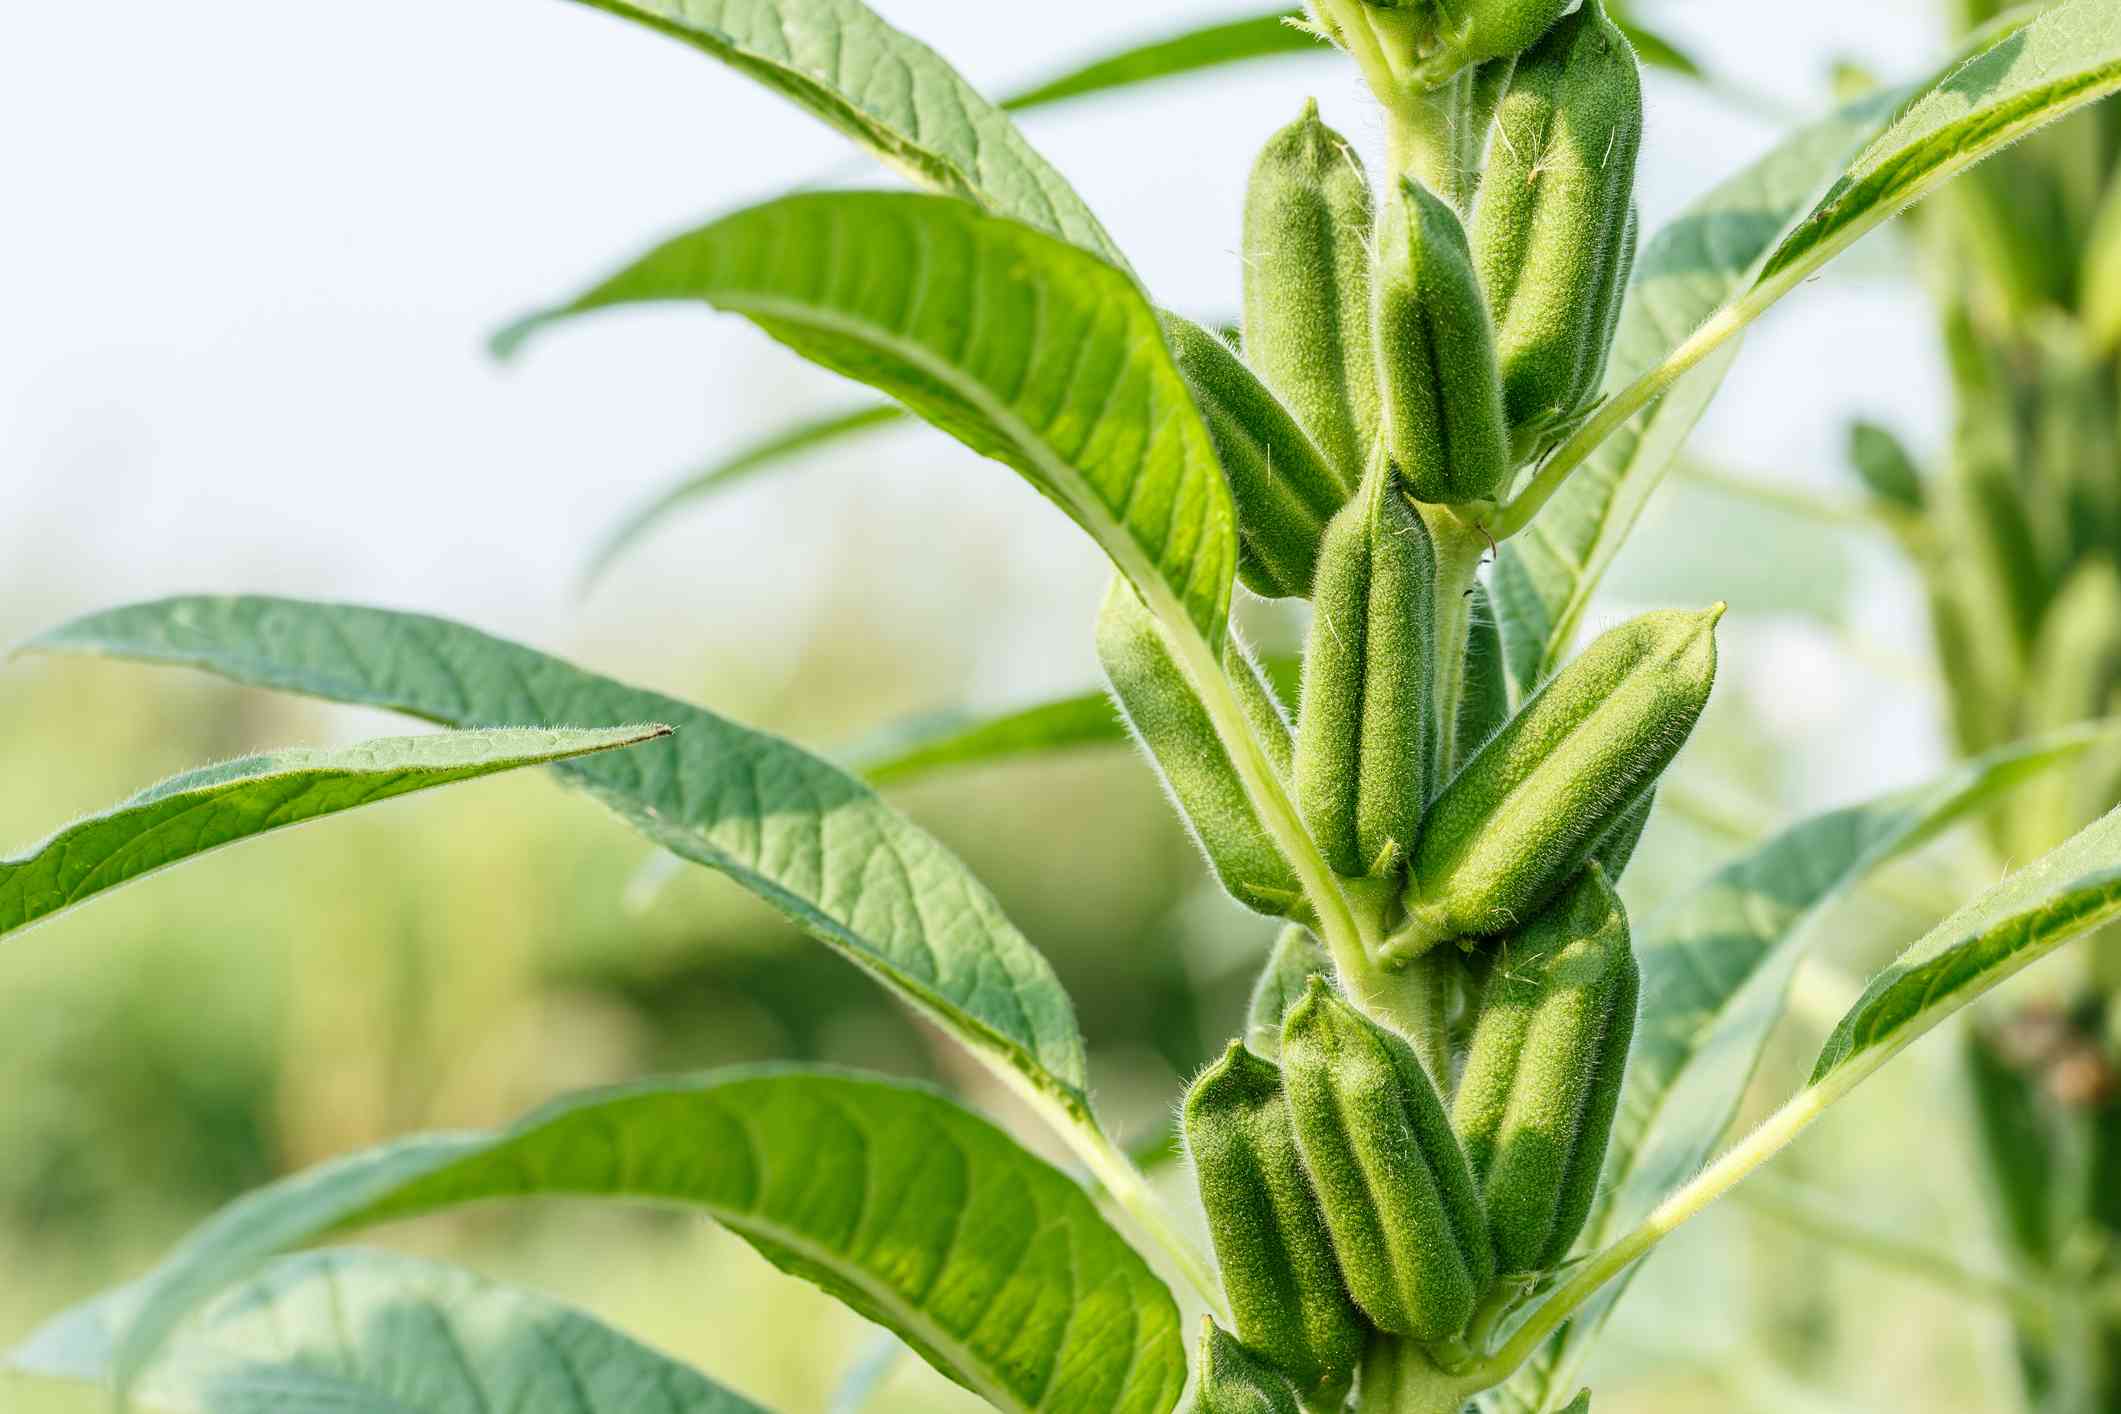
pixel 1543 1073
pixel 1161 707
pixel 1308 214
pixel 1397 1195
pixel 1552 230
pixel 1298 956
pixel 1366 734
pixel 1278 1269
pixel 1282 486
pixel 1495 29
pixel 1232 1382
pixel 1520 817
pixel 1444 426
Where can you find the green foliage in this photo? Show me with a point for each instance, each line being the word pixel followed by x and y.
pixel 1520 817
pixel 351 1332
pixel 1443 407
pixel 796 831
pixel 1307 238
pixel 1366 736
pixel 1543 1072
pixel 1885 466
pixel 1091 410
pixel 207 809
pixel 1282 486
pixel 1397 1195
pixel 1164 710
pixel 1554 234
pixel 1049 1309
pixel 1278 1267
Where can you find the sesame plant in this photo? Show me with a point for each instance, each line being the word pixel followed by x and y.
pixel 1471 1095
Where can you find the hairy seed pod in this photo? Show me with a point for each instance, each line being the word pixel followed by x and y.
pixel 1495 29
pixel 1278 1268
pixel 1167 716
pixel 1551 233
pixel 1397 1194
pixel 1542 1078
pixel 1520 817
pixel 1443 409
pixel 1366 735
pixel 1484 702
pixel 1616 847
pixel 1282 487
pixel 1298 956
pixel 1308 214
pixel 1232 1382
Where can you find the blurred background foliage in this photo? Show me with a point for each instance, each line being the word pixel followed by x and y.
pixel 453 960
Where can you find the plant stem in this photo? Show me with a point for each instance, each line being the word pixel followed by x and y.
pixel 1459 547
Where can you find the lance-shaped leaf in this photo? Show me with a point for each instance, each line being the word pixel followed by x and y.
pixel 358 1332
pixel 1547 574
pixel 923 1217
pixel 1027 349
pixel 775 451
pixel 1717 962
pixel 799 832
pixel 2063 894
pixel 1270 34
pixel 890 93
pixel 203 810
pixel 2067 57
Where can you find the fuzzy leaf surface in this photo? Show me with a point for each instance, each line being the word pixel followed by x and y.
pixel 799 832
pixel 361 1332
pixel 207 809
pixel 921 1216
pixel 1025 348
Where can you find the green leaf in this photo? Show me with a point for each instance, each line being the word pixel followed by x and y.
pixel 2066 892
pixel 2066 58
pixel 719 475
pixel 1025 348
pixel 809 839
pixel 1262 36
pixel 1717 962
pixel 911 750
pixel 204 810
pixel 356 1332
pixel 887 91
pixel 1547 574
pixel 921 1216
pixel 1211 46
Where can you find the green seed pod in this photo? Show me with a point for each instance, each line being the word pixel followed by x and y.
pixel 1283 489
pixel 1551 233
pixel 1168 718
pixel 1484 702
pixel 1397 1194
pixel 1296 959
pixel 1543 1072
pixel 1366 744
pixel 1232 1382
pixel 1885 466
pixel 1520 818
pixel 1443 410
pixel 1278 1268
pixel 1496 29
pixel 1308 214
pixel 1617 846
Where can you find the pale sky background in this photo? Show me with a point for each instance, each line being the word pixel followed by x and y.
pixel 251 251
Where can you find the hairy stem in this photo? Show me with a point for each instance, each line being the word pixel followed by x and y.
pixel 1397 1378
pixel 1459 546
